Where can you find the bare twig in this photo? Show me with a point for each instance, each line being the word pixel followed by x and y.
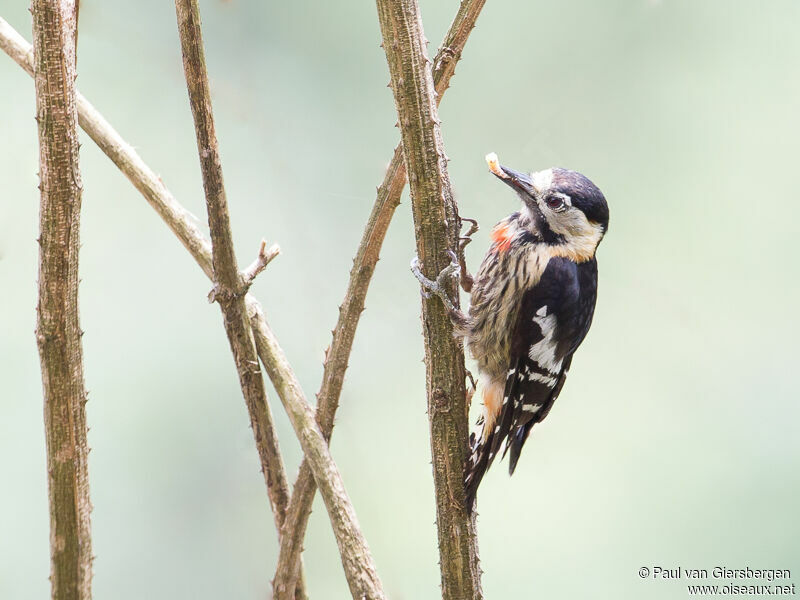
pixel 177 218
pixel 356 558
pixel 122 154
pixel 181 223
pixel 338 354
pixel 58 331
pixel 230 290
pixel 230 286
pixel 265 256
pixel 437 228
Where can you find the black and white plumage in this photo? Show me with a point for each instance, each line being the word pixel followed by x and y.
pixel 532 304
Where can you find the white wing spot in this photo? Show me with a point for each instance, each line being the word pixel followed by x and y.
pixel 542 312
pixel 543 352
pixel 545 379
pixel 532 408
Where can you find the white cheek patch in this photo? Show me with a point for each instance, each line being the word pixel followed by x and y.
pixel 578 224
pixel 542 180
pixel 581 237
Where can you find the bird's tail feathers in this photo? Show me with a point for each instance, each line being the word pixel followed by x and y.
pixel 478 463
pixel 517 441
pixel 485 444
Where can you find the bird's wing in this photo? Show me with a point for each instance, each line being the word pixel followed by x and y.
pixel 541 352
pixel 551 323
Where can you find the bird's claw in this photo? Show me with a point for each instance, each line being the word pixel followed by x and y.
pixel 425 283
pixel 466 279
pixel 438 287
pixel 453 269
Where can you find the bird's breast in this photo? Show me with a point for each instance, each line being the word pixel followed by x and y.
pixel 501 281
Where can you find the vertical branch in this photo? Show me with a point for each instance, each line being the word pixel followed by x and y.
pixel 338 355
pixel 352 547
pixel 436 225
pixel 230 286
pixel 176 217
pixel 58 331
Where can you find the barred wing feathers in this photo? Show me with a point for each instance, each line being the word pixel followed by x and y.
pixel 553 319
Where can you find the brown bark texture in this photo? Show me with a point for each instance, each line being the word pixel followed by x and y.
pixel 58 331
pixel 181 223
pixel 338 353
pixel 437 227
pixel 230 289
pixel 359 567
pixel 230 286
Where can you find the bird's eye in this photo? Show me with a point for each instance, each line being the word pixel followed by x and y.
pixel 554 202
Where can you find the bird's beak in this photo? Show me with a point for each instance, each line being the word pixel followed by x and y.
pixel 520 182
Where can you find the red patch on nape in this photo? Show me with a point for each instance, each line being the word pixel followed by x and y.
pixel 501 236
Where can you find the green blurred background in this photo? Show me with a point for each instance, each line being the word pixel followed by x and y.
pixel 675 441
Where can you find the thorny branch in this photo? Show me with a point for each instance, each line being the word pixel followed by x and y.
pixel 437 228
pixel 388 198
pixel 229 285
pixel 180 221
pixel 230 288
pixel 58 333
pixel 177 218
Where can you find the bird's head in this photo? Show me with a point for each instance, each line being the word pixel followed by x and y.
pixel 563 207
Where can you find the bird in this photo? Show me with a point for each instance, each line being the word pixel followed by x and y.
pixel 531 305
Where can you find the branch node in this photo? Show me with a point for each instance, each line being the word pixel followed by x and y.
pixel 265 256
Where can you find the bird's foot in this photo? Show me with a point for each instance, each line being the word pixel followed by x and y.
pixel 466 280
pixel 438 287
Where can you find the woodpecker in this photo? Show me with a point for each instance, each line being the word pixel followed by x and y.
pixel 531 305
